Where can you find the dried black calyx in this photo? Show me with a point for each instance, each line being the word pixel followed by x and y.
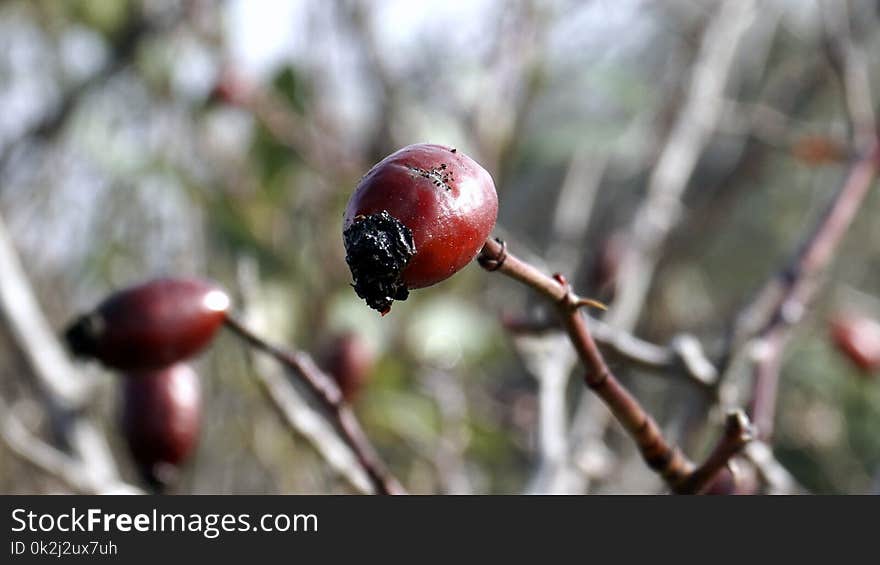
pixel 378 247
pixel 83 334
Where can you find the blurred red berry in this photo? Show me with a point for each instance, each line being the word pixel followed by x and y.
pixel 416 218
pixel 816 150
pixel 230 88
pixel 161 418
pixel 349 360
pixel 858 337
pixel 151 325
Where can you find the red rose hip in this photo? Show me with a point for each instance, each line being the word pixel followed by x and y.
pixel 151 325
pixel 349 360
pixel 858 337
pixel 161 418
pixel 417 217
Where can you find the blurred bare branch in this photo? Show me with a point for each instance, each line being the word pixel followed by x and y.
pixel 70 470
pixel 454 437
pixel 850 64
pixel 662 457
pixel 698 116
pixel 63 389
pixel 122 50
pixel 775 476
pixel 292 405
pixel 793 288
pixel 550 359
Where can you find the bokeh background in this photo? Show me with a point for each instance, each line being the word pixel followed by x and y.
pixel 223 139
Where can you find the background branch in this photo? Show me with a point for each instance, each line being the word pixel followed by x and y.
pixel 288 402
pixel 64 391
pixel 698 116
pixel 71 471
pixel 797 284
pixel 658 453
pixel 684 354
pixel 327 393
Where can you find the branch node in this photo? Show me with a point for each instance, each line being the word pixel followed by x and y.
pixel 600 380
pixel 494 263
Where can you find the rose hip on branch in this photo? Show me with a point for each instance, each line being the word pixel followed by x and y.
pixel 858 338
pixel 161 418
pixel 151 325
pixel 349 359
pixel 416 218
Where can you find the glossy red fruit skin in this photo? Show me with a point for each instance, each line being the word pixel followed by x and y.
pixel 858 338
pixel 161 418
pixel 445 198
pixel 151 325
pixel 349 360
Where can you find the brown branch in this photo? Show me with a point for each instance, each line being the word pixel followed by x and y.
pixel 327 393
pixel 664 458
pixel 738 433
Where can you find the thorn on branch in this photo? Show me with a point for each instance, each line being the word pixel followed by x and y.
pixel 590 303
pixel 658 452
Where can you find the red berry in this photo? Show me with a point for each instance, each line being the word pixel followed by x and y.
pixel 349 360
pixel 161 417
pixel 151 325
pixel 416 218
pixel 858 337
pixel 231 88
pixel 818 150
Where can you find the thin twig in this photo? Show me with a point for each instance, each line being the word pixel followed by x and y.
pixel 70 470
pixel 684 354
pixel 551 359
pixel 121 52
pixel 797 285
pixel 737 434
pixel 762 330
pixel 327 393
pixel 701 111
pixel 697 117
pixel 292 404
pixel 62 387
pixel 664 458
pixel 849 63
